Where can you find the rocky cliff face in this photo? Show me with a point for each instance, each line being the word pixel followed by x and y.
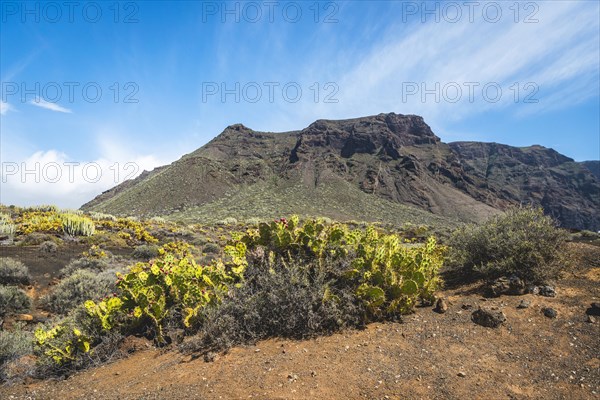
pixel 388 157
pixel 534 175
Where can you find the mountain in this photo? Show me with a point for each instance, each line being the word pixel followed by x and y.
pixel 387 167
pixel 593 166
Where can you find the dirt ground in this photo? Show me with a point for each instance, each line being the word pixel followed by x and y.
pixel 427 355
pixel 45 267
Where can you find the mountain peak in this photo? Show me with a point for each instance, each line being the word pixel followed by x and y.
pixel 383 135
pixel 362 168
pixel 238 128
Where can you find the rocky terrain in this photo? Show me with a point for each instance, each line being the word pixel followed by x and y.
pixel 383 167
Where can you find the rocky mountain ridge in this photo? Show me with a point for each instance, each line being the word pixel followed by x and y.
pixel 341 168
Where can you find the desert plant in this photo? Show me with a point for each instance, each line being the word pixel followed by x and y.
pixel 71 211
pixel 228 221
pixel 129 229
pixel 150 296
pixel 280 279
pixel 13 272
pixel 13 345
pixel 150 290
pixel 178 248
pixel 158 220
pixel 253 221
pixel 389 276
pixel 49 247
pixel 36 238
pixel 96 252
pixel 39 221
pixel 211 248
pixel 522 242
pixel 98 216
pixel 76 225
pixel 78 287
pixel 282 300
pixel 13 301
pixel 43 208
pixel 145 252
pixel 7 227
pixel 67 345
pixel 95 265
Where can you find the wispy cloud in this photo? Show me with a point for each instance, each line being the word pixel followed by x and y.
pixel 558 54
pixel 39 102
pixel 5 108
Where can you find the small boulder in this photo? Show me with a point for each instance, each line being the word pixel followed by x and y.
pixel 524 304
pixel 441 306
pixel 591 319
pixel 210 356
pixel 292 377
pixel 549 312
pixel 594 310
pixel 512 285
pixel 532 289
pixel 547 291
pixel 490 318
pixel 24 317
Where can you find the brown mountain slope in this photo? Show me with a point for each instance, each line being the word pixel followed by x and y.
pixel 385 167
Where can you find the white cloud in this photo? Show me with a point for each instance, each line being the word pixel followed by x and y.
pixel 5 108
pixel 51 177
pixel 39 102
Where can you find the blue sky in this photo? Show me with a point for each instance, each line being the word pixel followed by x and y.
pixel 162 68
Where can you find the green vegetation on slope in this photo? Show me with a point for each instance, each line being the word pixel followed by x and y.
pixel 339 201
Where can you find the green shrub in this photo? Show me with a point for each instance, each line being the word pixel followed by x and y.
pixel 129 229
pixel 13 345
pixel 151 297
pixel 7 228
pixel 98 216
pixel 71 211
pixel 13 272
pixel 13 301
pixel 280 279
pixel 66 346
pixel 49 247
pixel 78 287
pixel 211 248
pixel 283 300
pixel 389 276
pixel 76 225
pixel 36 238
pixel 152 290
pixel 42 208
pixel 145 252
pixel 95 265
pixel 228 221
pixel 522 241
pixel 39 221
pixel 253 221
